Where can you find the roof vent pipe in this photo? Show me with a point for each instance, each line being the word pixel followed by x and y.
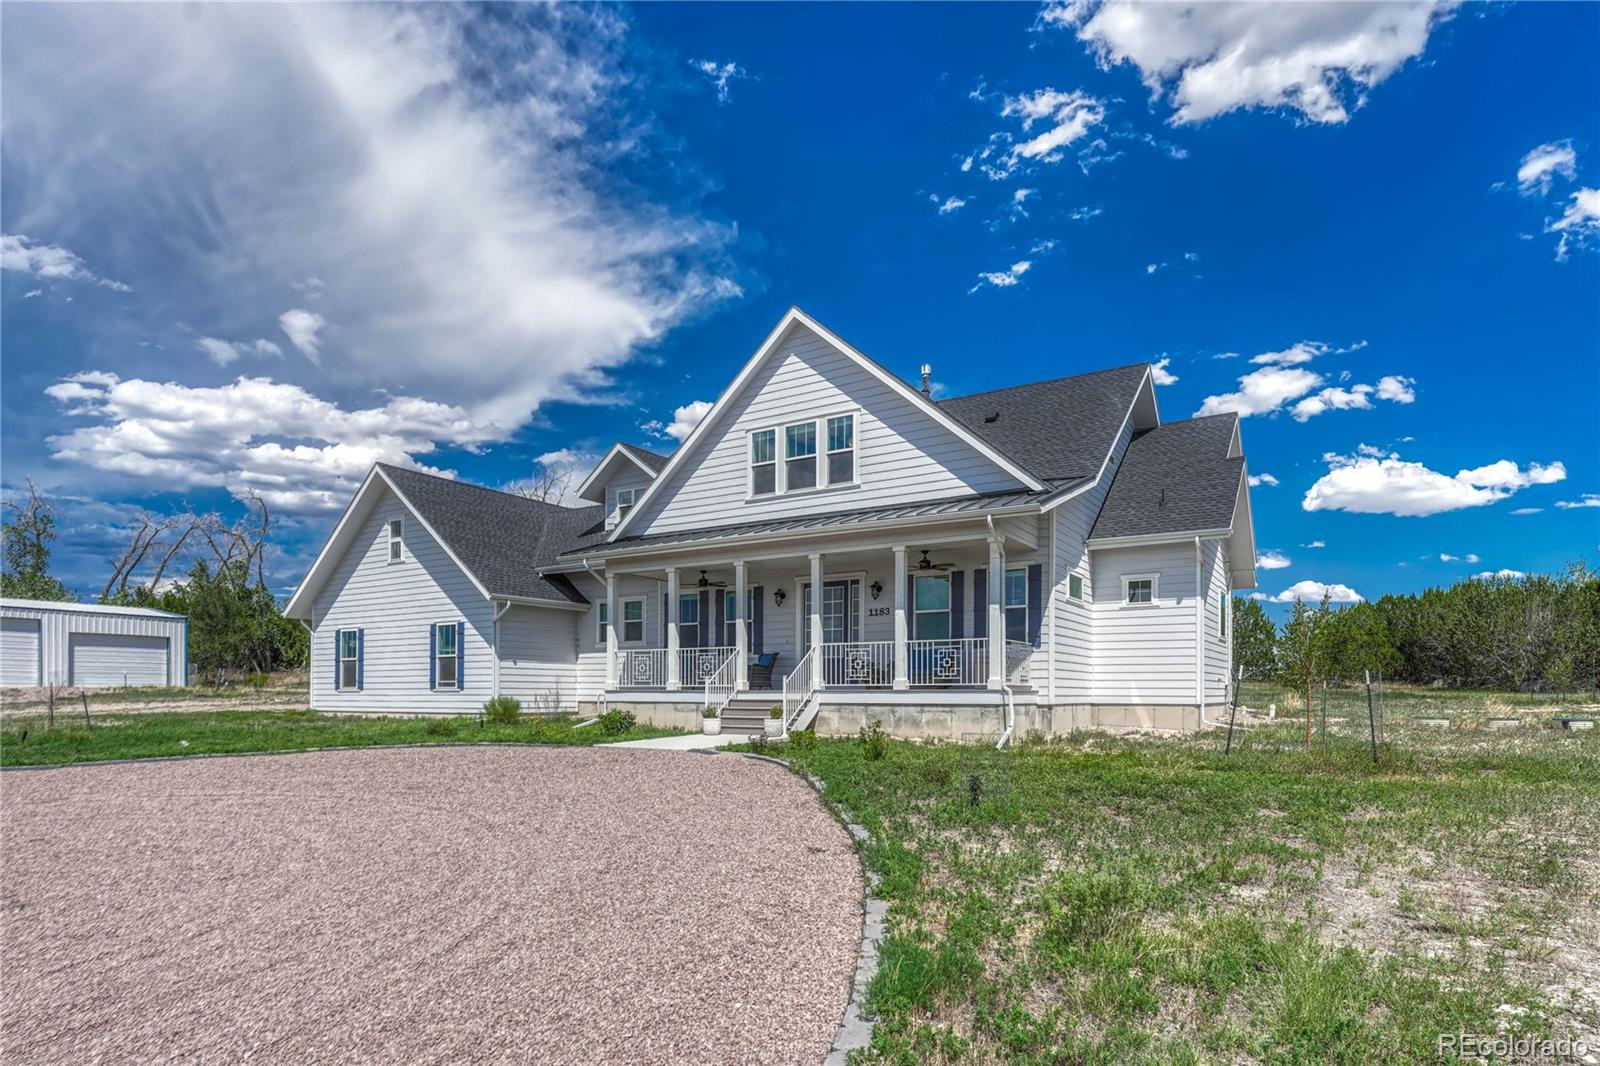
pixel 927 380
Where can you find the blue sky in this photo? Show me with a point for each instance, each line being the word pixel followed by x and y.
pixel 476 240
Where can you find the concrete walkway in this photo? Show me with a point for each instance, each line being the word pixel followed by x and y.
pixel 687 742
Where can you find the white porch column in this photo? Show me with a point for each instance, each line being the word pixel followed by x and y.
pixel 741 628
pixel 902 672
pixel 611 629
pixel 671 622
pixel 815 622
pixel 997 613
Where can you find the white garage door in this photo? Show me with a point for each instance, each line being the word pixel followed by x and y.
pixel 19 652
pixel 104 659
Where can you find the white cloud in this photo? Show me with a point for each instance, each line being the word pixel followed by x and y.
pixel 1446 557
pixel 1002 279
pixel 1085 213
pixel 1283 380
pixel 49 261
pixel 1471 558
pixel 1019 196
pixel 1193 257
pixel 224 352
pixel 950 205
pixel 720 75
pixel 1365 484
pixel 302 328
pixel 1531 510
pixel 1151 268
pixel 1160 374
pixel 570 465
pixel 1500 575
pixel 1315 544
pixel 1313 591
pixel 1318 59
pixel 1544 164
pixel 450 182
pixel 1589 499
pixel 684 419
pixel 1272 560
pixel 1061 118
pixel 1042 246
pixel 1257 480
pixel 1579 225
pixel 302 454
pixel 31 293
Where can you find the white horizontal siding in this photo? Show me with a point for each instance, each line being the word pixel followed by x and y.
pixel 903 454
pixel 538 657
pixel 1218 648
pixel 630 478
pixel 1075 638
pixel 57 624
pixel 395 604
pixel 1144 655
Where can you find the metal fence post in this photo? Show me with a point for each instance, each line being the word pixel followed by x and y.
pixel 1372 718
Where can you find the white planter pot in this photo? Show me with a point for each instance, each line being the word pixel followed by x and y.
pixel 774 727
pixel 710 726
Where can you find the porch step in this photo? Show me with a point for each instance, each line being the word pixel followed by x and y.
pixel 747 716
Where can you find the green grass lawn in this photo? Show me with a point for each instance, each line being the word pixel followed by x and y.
pixel 28 742
pixel 1152 900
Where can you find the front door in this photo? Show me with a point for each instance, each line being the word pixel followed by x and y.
pixel 838 619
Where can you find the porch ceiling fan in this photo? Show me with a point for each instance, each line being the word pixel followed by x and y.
pixel 707 583
pixel 925 564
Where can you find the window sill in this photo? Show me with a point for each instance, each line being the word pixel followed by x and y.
pixel 841 487
pixel 1140 606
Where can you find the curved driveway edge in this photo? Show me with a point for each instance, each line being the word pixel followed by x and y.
pixel 425 905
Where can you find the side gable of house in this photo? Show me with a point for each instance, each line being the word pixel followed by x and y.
pixel 896 448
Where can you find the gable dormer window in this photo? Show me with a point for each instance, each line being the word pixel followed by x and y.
pixel 397 541
pixel 800 456
pixel 841 449
pixel 625 498
pixel 764 462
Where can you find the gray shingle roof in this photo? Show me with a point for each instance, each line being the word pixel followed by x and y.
pixel 1053 429
pixel 654 460
pixel 953 505
pixel 1175 478
pixel 502 539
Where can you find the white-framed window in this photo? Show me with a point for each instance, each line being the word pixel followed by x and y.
pixel 1016 604
pixel 730 623
pixel 1140 590
pixel 633 620
pixel 841 449
pixel 600 632
pixel 764 462
pixel 800 456
pixel 349 658
pixel 625 499
pixel 445 655
pixel 931 618
pixel 1075 586
pixel 397 539
pixel 688 619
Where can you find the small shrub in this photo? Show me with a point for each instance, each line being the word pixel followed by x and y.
pixel 776 712
pixel 874 741
pixel 758 743
pixel 936 772
pixel 802 740
pixel 710 712
pixel 441 727
pixel 257 681
pixel 503 710
pixel 617 721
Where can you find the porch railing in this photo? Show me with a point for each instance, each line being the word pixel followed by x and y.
pixel 799 688
pixel 695 665
pixel 858 663
pixel 642 668
pixel 722 684
pixel 939 663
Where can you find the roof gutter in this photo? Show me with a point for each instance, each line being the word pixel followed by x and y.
pixel 1181 537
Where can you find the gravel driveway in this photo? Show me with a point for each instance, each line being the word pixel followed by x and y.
pixel 424 905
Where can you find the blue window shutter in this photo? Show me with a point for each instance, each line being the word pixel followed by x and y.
pixel 958 592
pixel 980 602
pixel 461 655
pixel 1035 603
pixel 702 631
pixel 338 668
pixel 719 634
pixel 433 657
pixel 758 609
pixel 666 618
pixel 361 659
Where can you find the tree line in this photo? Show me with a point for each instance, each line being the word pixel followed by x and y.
pixel 1527 634
pixel 199 565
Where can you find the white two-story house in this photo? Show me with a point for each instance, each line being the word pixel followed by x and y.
pixel 830 540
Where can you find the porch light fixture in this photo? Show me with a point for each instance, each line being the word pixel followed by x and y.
pixel 877 589
pixel 778 597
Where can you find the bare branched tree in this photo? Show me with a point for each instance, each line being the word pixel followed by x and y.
pixel 548 484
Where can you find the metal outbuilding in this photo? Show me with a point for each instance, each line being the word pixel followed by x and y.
pixel 90 645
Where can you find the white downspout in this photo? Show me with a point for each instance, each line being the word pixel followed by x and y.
pixel 1199 636
pixel 1005 689
pixel 495 637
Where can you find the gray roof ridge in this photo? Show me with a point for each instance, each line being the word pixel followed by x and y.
pixel 1043 381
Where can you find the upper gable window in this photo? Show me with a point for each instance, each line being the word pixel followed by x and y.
pixel 397 543
pixel 625 500
pixel 800 456
pixel 841 449
pixel 764 462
